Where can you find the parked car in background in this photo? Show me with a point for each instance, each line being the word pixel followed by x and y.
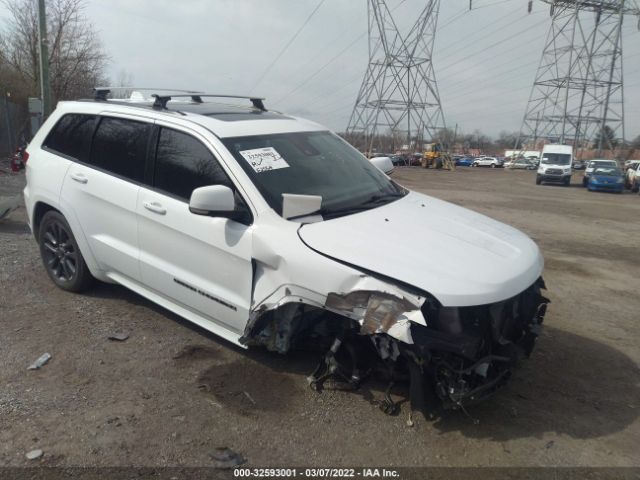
pixel 383 163
pixel 579 164
pixel 607 179
pixel 399 160
pixel 464 162
pixel 631 164
pixel 520 164
pixel 593 164
pixel 413 159
pixel 492 162
pixel 632 178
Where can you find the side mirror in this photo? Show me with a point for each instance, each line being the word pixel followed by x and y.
pixel 214 201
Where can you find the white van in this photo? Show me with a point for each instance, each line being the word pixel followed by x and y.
pixel 555 164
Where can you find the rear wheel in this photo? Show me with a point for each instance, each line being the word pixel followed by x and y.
pixel 60 254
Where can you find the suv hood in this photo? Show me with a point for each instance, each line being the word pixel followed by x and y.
pixel 460 257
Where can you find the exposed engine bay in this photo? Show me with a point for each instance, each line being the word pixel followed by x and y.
pixel 449 356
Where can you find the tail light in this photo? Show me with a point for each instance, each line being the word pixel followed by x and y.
pixel 25 156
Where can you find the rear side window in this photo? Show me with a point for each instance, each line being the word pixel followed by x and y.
pixel 183 164
pixel 120 146
pixel 71 136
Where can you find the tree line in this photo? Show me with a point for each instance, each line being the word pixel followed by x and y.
pixel 77 58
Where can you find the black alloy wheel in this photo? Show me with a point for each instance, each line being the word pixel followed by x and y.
pixel 60 254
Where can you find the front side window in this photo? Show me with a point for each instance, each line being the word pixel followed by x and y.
pixel 120 147
pixel 183 164
pixel 71 136
pixel 312 163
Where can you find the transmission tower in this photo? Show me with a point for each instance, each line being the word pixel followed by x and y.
pixel 398 103
pixel 578 97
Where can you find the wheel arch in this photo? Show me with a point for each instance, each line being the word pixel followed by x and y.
pixel 41 208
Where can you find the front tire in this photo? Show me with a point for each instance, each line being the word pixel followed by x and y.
pixel 61 255
pixel 635 187
pixel 493 165
pixel 538 180
pixel 567 181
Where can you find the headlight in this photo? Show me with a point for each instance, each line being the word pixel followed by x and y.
pixel 620 180
pixel 593 180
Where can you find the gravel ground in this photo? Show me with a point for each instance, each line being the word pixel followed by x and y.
pixel 171 393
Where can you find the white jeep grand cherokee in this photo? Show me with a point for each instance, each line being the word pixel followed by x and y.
pixel 270 230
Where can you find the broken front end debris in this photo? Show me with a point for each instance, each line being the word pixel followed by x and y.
pixel 450 356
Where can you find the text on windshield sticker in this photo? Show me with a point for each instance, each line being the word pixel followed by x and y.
pixel 264 159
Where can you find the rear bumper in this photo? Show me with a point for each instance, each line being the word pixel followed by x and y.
pixel 28 207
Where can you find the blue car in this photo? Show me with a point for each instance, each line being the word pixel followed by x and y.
pixel 464 162
pixel 606 179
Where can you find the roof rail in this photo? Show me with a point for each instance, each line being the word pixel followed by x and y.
pixel 161 100
pixel 101 93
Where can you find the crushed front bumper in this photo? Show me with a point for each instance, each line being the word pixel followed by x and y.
pixel 465 354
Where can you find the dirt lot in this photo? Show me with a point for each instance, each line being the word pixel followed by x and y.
pixel 171 393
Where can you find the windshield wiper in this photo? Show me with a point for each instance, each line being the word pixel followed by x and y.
pixel 380 197
pixel 366 205
pixel 330 212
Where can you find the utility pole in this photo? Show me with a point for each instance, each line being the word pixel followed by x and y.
pixel 8 115
pixel 45 88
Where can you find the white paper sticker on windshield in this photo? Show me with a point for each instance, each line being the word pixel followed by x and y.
pixel 264 159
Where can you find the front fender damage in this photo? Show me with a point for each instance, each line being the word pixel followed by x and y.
pixel 366 326
pixel 370 306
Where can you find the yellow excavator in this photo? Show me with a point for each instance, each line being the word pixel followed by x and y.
pixel 434 157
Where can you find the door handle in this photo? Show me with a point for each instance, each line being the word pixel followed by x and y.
pixel 155 207
pixel 78 177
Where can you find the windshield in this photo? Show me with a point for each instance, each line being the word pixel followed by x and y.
pixel 607 164
pixel 608 171
pixel 312 163
pixel 556 159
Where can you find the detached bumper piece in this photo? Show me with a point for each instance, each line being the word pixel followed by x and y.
pixel 463 355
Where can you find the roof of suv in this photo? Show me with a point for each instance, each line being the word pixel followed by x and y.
pixel 221 119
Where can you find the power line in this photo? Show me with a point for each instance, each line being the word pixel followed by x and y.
pixel 453 17
pixel 535 25
pixel 288 44
pixel 476 39
pixel 342 52
pixel 313 75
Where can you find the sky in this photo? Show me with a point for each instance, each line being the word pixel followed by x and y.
pixel 485 59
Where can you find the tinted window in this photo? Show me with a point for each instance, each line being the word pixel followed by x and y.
pixel 120 146
pixel 184 164
pixel 72 136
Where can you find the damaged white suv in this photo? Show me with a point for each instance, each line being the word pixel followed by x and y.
pixel 269 230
